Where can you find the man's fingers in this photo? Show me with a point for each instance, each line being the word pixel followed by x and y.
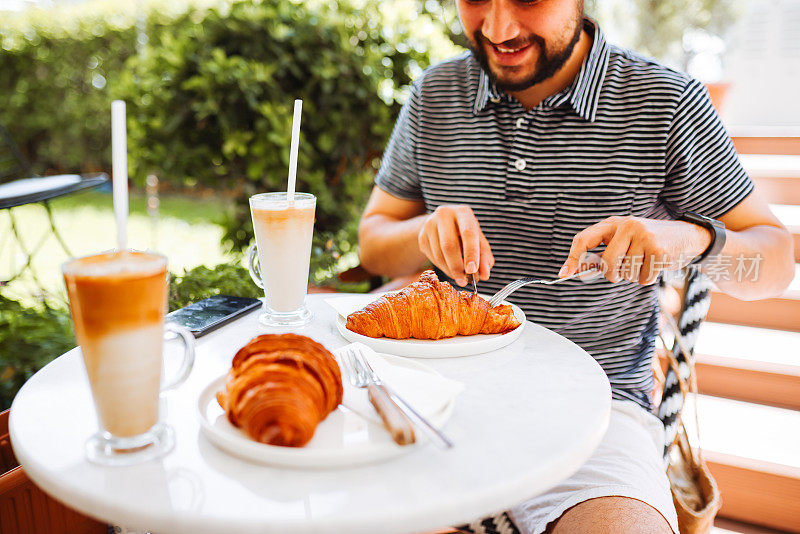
pixel 653 265
pixel 633 263
pixel 614 254
pixel 435 254
pixel 487 258
pixel 450 246
pixel 469 230
pixel 583 241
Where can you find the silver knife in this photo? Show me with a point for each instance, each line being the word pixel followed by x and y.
pixel 474 280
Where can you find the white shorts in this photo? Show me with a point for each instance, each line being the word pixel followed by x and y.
pixel 627 463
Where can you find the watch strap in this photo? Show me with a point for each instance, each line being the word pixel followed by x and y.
pixel 717 229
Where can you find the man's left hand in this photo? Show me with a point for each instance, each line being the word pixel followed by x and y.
pixel 638 249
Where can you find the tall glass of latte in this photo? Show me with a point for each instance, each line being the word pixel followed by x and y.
pixel 118 301
pixel 280 259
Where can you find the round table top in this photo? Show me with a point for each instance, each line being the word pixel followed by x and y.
pixel 530 415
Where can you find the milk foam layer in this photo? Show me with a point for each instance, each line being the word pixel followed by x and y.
pixel 283 236
pixel 125 373
pixel 116 263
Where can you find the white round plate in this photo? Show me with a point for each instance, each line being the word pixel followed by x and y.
pixel 452 347
pixel 343 439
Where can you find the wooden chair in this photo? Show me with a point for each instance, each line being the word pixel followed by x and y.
pixel 25 509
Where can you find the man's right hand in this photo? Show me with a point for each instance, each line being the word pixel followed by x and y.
pixel 452 239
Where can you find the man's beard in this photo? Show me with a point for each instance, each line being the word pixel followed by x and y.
pixel 547 64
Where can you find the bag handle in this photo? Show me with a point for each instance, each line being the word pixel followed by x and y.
pixel 685 388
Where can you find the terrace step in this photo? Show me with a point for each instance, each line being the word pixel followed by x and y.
pixel 745 380
pixel 767 143
pixel 747 363
pixel 727 526
pixel 753 451
pixel 781 313
pixel 755 345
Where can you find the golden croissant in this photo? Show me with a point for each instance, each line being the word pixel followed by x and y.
pixel 280 387
pixel 430 309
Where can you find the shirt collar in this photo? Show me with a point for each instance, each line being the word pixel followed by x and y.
pixel 582 94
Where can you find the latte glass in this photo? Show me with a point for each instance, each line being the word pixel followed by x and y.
pixel 279 260
pixel 118 301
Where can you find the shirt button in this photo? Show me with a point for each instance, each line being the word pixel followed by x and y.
pixel 520 122
pixel 520 164
pixel 495 99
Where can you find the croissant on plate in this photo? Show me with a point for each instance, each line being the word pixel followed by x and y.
pixel 430 309
pixel 280 387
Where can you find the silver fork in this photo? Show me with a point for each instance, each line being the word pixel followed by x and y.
pixel 501 295
pixel 433 433
pixel 393 417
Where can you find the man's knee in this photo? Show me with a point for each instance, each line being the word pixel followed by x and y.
pixel 617 515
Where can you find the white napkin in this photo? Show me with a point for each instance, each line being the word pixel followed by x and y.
pixel 347 305
pixel 426 390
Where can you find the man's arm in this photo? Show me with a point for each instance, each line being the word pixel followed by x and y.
pixel 387 235
pixel 397 237
pixel 637 249
pixel 756 233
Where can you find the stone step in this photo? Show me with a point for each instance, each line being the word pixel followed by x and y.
pixel 753 452
pixel 747 363
pixel 781 313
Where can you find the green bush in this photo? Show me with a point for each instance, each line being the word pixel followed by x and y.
pixel 211 101
pixel 210 88
pixel 202 282
pixel 56 89
pixel 29 339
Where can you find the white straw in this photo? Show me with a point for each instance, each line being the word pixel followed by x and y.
pixel 298 106
pixel 119 170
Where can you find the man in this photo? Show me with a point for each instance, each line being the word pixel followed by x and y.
pixel 545 143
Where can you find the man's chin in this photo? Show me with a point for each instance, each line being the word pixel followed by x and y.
pixel 511 79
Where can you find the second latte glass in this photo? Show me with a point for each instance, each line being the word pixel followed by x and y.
pixel 279 260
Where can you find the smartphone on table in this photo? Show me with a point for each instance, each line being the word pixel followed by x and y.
pixel 207 315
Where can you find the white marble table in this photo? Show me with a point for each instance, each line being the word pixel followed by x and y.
pixel 530 415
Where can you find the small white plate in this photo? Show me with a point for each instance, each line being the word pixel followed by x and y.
pixel 452 347
pixel 343 439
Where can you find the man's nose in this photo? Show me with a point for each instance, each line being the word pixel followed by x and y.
pixel 500 24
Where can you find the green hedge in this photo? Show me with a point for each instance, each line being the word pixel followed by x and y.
pixel 210 93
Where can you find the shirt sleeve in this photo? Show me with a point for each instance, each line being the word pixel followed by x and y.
pixel 703 172
pixel 398 172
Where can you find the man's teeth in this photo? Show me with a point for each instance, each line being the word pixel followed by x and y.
pixel 507 50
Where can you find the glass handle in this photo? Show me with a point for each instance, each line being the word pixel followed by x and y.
pixel 188 354
pixel 254 266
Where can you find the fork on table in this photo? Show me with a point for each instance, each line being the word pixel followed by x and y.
pixel 365 375
pixel 362 376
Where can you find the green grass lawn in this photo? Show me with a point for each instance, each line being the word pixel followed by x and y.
pixel 186 231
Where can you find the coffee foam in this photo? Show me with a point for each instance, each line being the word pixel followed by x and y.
pixel 116 291
pixel 120 263
pixel 279 202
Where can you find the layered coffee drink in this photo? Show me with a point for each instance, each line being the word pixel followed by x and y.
pixel 118 301
pixel 284 231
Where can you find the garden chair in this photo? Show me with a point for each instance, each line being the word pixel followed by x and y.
pixel 25 509
pixel 20 186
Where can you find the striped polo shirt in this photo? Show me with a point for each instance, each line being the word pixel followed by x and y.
pixel 628 137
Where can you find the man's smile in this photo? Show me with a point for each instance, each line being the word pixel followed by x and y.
pixel 508 56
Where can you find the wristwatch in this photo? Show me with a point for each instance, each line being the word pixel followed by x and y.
pixel 717 229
